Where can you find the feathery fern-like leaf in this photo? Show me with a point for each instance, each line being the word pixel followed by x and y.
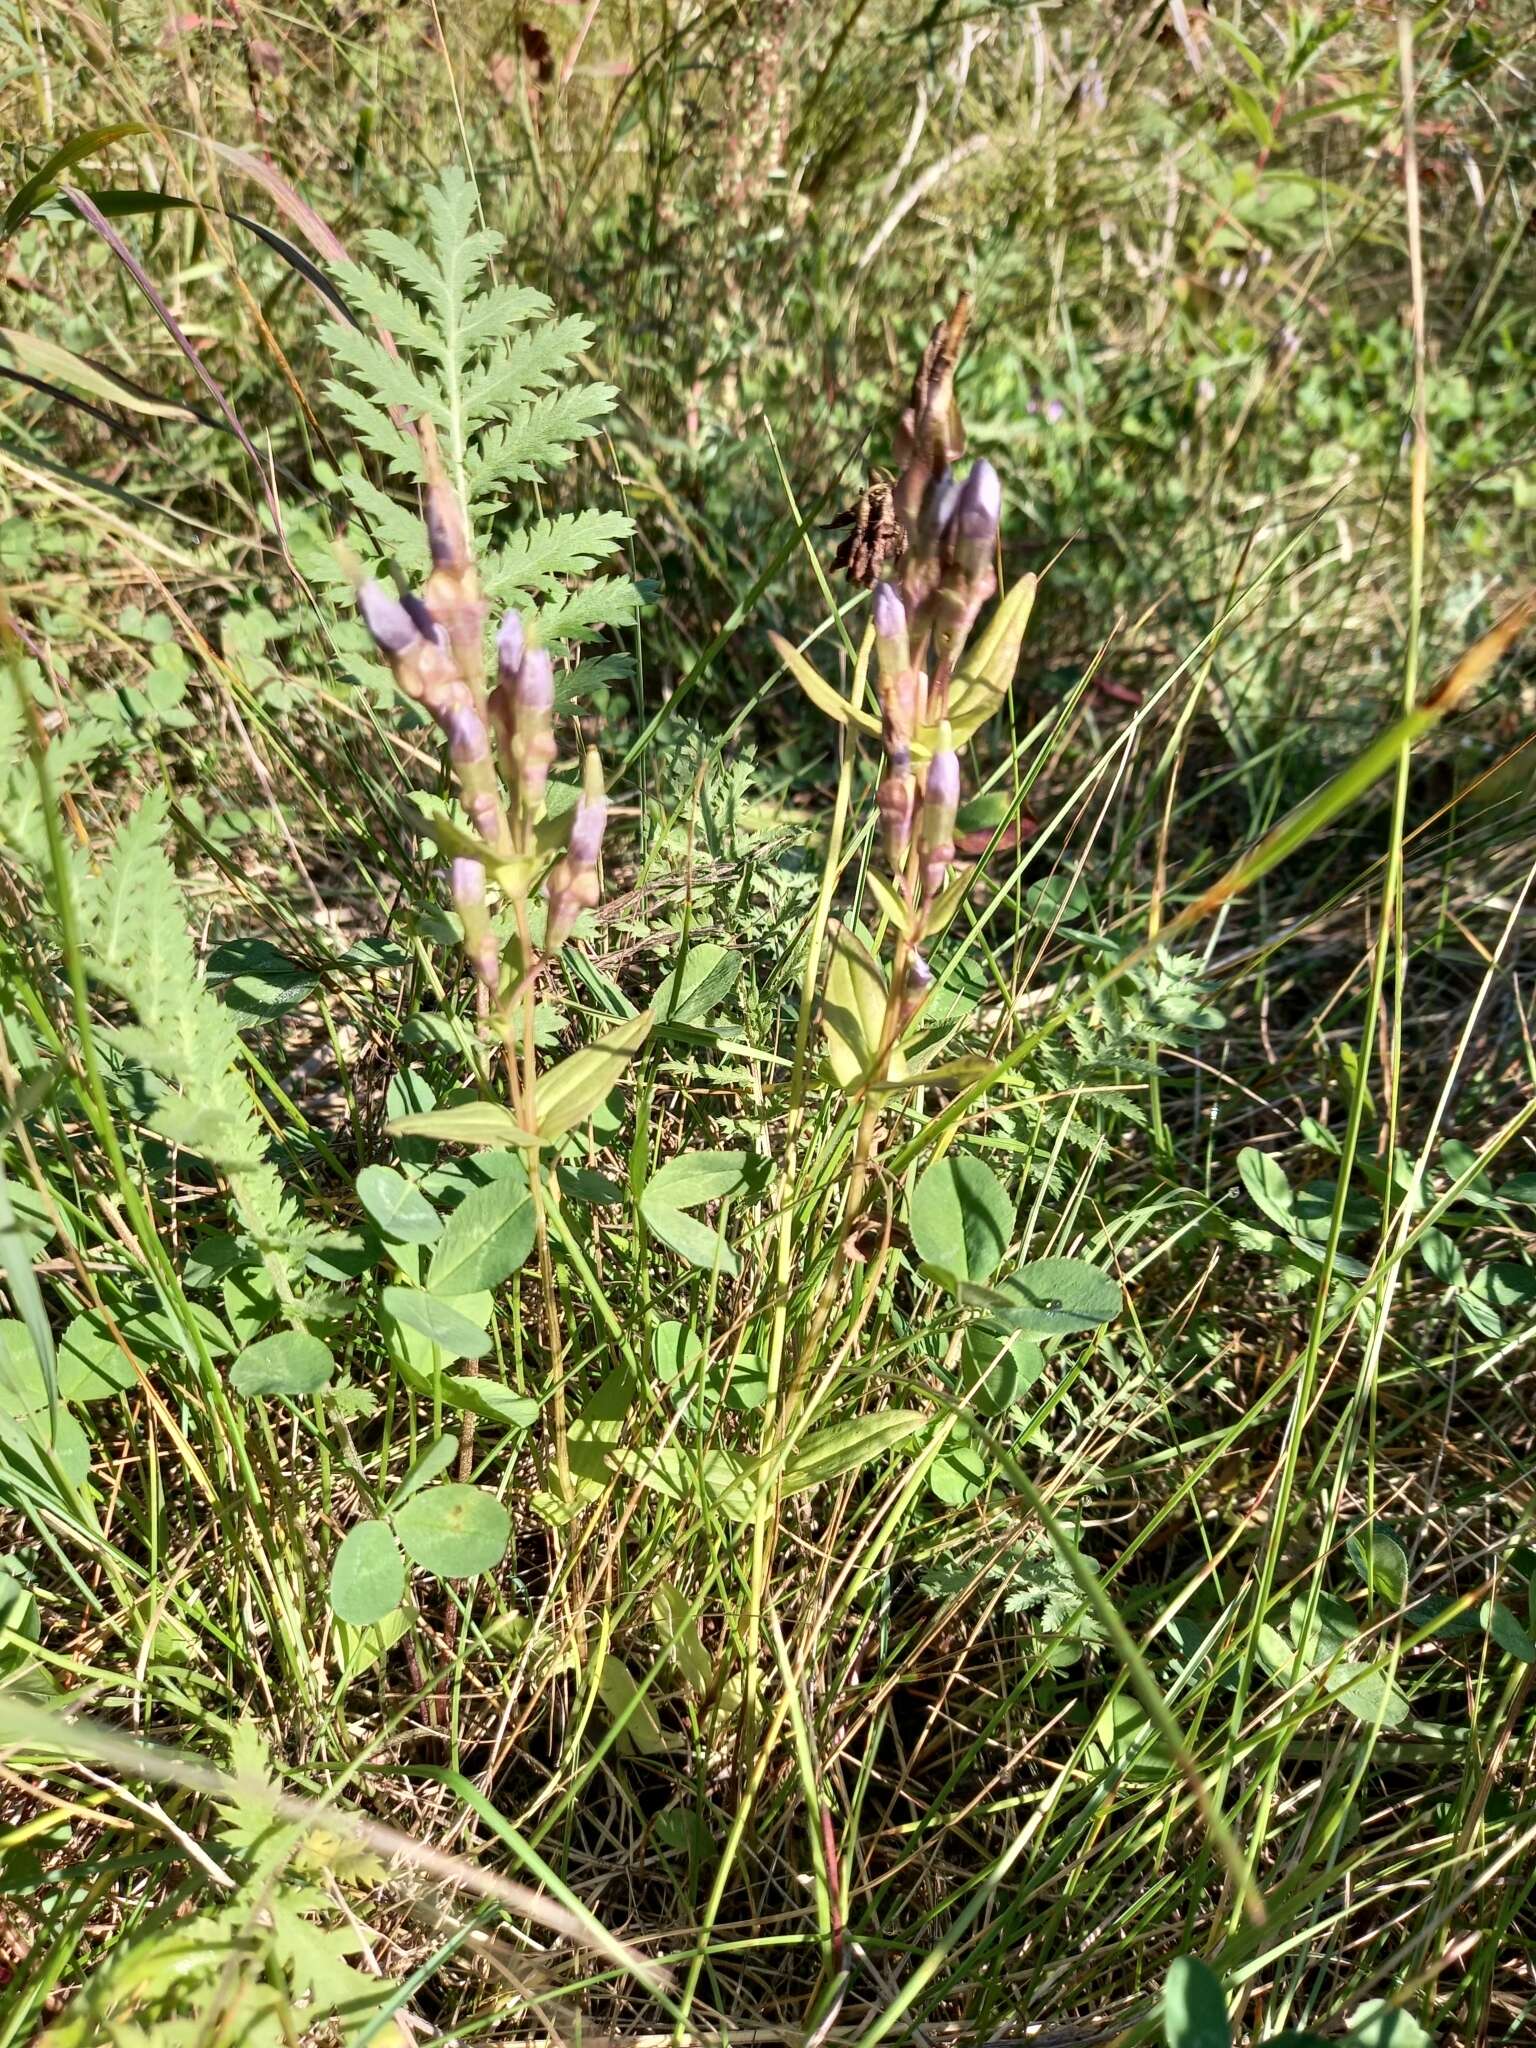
pixel 137 942
pixel 498 378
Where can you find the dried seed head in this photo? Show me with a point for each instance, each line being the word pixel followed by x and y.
pixel 931 432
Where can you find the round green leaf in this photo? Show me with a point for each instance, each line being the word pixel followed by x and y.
pixel 961 1218
pixel 1194 2010
pixel 486 1239
pixel 368 1577
pixel 746 1383
pixel 1506 1631
pixel 958 1474
pixel 997 1371
pixel 675 1350
pixel 438 1321
pixel 399 1209
pixel 291 1362
pixel 1369 1695
pixel 1054 1297
pixel 454 1531
pixel 1378 1555
pixel 92 1365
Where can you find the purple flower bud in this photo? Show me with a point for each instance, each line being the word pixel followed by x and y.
pixel 980 506
pixel 941 799
pixel 426 625
pixel 938 503
pixel 468 881
pixel 464 729
pixel 587 829
pixel 510 643
pixel 390 622
pixel 535 687
pixel 893 649
pixel 941 785
pixel 445 531
pixel 890 612
pixel 1055 411
pixel 919 982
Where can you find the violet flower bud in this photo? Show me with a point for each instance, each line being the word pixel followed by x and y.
pixel 573 884
pixel 468 889
pixel 426 625
pixel 893 651
pixel 920 979
pixel 591 819
pixel 889 612
pixel 941 800
pixel 534 691
pixel 511 642
pixel 897 800
pixel 464 730
pixel 533 716
pixel 446 536
pixel 939 502
pixel 974 522
pixel 390 622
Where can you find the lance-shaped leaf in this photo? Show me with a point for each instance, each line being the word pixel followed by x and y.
pixel 844 1447
pixel 568 1096
pixel 467 1123
pixel 853 1011
pixel 821 693
pixel 983 684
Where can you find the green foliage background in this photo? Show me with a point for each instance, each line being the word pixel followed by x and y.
pixel 1049 1596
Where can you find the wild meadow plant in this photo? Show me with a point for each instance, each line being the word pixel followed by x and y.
pixel 358 1368
pixel 435 646
pixel 938 536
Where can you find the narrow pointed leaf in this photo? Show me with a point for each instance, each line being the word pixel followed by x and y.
pixel 821 693
pixel 569 1095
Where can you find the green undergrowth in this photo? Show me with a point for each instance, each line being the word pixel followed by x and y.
pixel 742 1525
